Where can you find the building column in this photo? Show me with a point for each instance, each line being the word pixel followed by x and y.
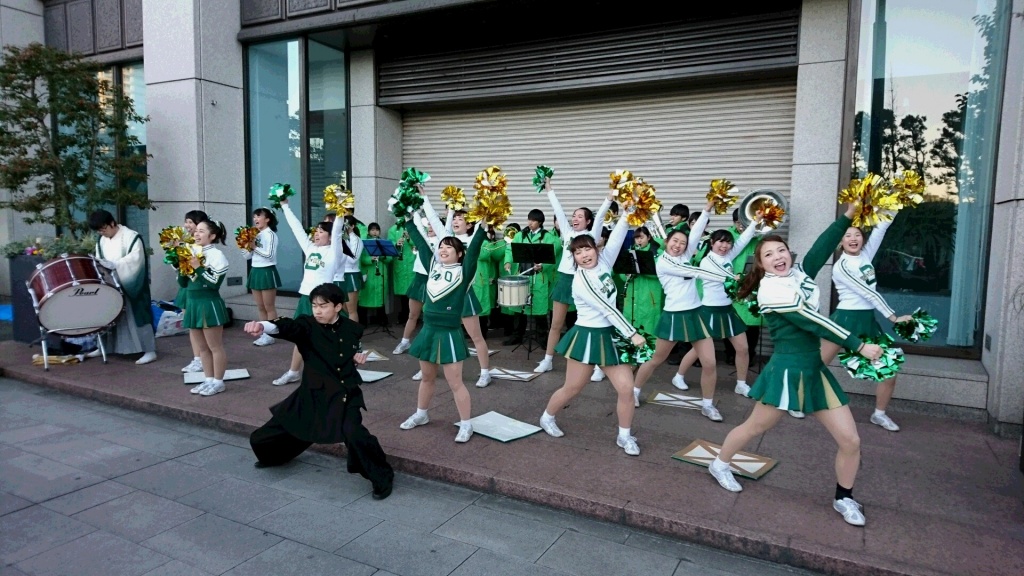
pixel 818 132
pixel 1004 299
pixel 195 132
pixel 21 23
pixel 376 143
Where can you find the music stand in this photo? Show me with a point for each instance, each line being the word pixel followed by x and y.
pixel 378 248
pixel 523 252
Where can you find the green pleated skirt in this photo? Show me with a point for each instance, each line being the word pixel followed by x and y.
pixel 417 288
pixel 439 345
pixel 563 290
pixel 206 309
pixel 798 382
pixel 472 306
pixel 722 321
pixel 589 346
pixel 344 294
pixel 353 281
pixel 265 278
pixel 682 326
pixel 860 323
pixel 182 298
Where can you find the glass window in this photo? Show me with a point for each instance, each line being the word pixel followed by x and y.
pixel 928 99
pixel 133 83
pixel 275 154
pixel 327 121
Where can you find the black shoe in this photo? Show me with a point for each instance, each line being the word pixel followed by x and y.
pixel 382 492
pixel 730 360
pixel 513 340
pixel 259 464
pixel 674 360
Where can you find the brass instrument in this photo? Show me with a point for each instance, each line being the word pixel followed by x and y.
pixel 656 226
pixel 756 200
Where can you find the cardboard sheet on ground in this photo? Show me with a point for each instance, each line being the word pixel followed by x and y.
pixel 501 427
pixel 472 352
pixel 374 356
pixel 369 376
pixel 235 374
pixel 518 376
pixel 702 452
pixel 676 399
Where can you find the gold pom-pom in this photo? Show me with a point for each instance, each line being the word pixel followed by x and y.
pixel 619 178
pixel 874 199
pixel 722 194
pixel 909 189
pixel 637 198
pixel 173 236
pixel 245 235
pixel 185 256
pixel 491 179
pixel 771 214
pixel 453 197
pixel 339 200
pixel 491 203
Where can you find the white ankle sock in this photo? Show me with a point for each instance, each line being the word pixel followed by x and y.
pixel 548 357
pixel 405 341
pixel 708 402
pixel 420 412
pixel 879 412
pixel 547 417
pixel 636 391
pixel 623 432
pixel 464 423
pixel 214 381
pixel 717 464
pixel 738 382
pixel 484 371
pixel 197 358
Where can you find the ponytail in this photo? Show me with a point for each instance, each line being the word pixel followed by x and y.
pixel 217 228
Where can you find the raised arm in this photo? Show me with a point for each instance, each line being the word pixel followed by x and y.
pixel 563 222
pixel 296 331
pixel 595 229
pixel 301 236
pixel 874 241
pixel 696 233
pixel 614 244
pixel 472 258
pixel 435 222
pixel 825 245
pixel 741 242
pixel 423 251
pixel 448 218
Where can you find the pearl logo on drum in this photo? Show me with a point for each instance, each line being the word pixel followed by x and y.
pixel 84 292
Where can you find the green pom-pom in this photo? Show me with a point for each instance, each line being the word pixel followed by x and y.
pixel 922 326
pixel 880 370
pixel 542 173
pixel 632 354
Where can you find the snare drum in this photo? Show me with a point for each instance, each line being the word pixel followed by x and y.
pixel 74 295
pixel 513 291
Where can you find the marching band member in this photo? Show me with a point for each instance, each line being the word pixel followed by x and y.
pixel 854 277
pixel 796 378
pixel 319 268
pixel 642 302
pixel 401 266
pixel 541 277
pixel 583 222
pixel 440 342
pixel 376 275
pixel 206 313
pixel 590 340
pixel 263 277
pixel 121 249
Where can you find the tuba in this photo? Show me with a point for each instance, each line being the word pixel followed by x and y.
pixel 755 200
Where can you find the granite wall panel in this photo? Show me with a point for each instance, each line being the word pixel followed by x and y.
pixel 132 22
pixel 301 7
pixel 255 11
pixel 108 25
pixel 80 31
pixel 56 26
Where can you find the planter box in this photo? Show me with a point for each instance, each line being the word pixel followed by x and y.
pixel 26 327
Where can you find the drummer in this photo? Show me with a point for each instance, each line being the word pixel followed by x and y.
pixel 541 276
pixel 123 250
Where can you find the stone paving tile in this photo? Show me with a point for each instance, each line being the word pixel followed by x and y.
pixel 493 564
pixel 212 543
pixel 311 523
pixel 33 530
pixel 238 500
pixel 96 554
pixel 171 479
pixel 176 568
pixel 336 487
pixel 585 555
pixel 11 503
pixel 696 560
pixel 90 454
pixel 407 552
pixel 410 507
pixel 166 443
pixel 138 516
pixel 7 452
pixel 27 433
pixel 14 421
pixel 293 559
pixel 238 462
pixel 87 497
pixel 11 571
pixel 38 479
pixel 503 533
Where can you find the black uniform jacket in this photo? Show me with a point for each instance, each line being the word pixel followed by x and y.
pixel 330 381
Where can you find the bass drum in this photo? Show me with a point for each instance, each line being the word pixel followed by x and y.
pixel 74 295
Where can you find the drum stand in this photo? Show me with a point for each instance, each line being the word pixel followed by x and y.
pixel 531 340
pixel 44 333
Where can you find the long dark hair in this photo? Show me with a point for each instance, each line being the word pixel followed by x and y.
pixel 752 280
pixel 588 217
pixel 350 221
pixel 454 242
pixel 269 215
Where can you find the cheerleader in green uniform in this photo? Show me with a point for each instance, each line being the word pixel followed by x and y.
pixel 192 218
pixel 401 266
pixel 417 291
pixel 590 342
pixel 458 227
pixel 375 272
pixel 854 277
pixel 541 276
pixel 440 342
pixel 206 314
pixel 795 378
pixel 263 277
pixel 644 295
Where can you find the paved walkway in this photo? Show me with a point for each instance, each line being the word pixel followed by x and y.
pixel 941 496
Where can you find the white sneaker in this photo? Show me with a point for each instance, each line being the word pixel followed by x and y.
pixel 628 444
pixel 212 388
pixel 264 340
pixel 725 478
pixel 401 348
pixel 742 389
pixel 196 365
pixel 884 421
pixel 679 382
pixel 484 381
pixel 712 413
pixel 598 374
pixel 151 356
pixel 545 365
pixel 199 388
pixel 465 432
pixel 796 414
pixel 636 398
pixel 414 421
pixel 851 510
pixel 287 378
pixel 551 428
pixel 96 354
pixel 418 375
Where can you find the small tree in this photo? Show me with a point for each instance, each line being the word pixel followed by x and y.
pixel 65 145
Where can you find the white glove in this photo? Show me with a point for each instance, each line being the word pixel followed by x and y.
pixel 108 264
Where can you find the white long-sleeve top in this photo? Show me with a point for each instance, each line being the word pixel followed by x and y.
pixel 264 254
pixel 347 264
pixel 714 290
pixel 593 289
pixel 321 261
pixel 567 264
pixel 679 279
pixel 436 225
pixel 215 263
pixel 854 277
pixel 127 253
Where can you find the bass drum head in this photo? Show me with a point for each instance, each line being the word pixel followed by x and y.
pixel 83 309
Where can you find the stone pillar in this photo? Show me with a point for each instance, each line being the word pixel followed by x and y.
pixel 195 133
pixel 376 143
pixel 817 139
pixel 1004 300
pixel 21 23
